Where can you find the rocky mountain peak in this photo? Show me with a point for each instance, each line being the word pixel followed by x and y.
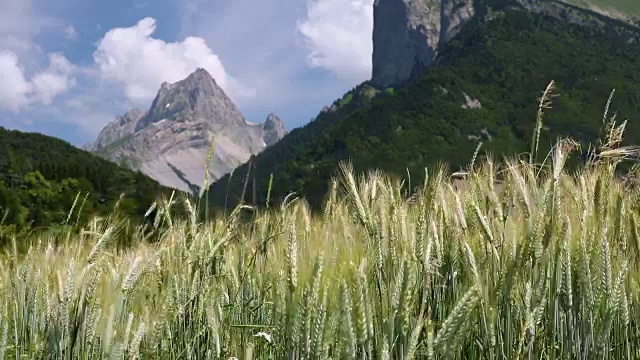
pixel 131 116
pixel 197 97
pixel 272 119
pixel 122 126
pixel 200 74
pixel 171 142
pixel 273 129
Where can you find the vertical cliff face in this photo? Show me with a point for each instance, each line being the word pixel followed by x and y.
pixel 407 34
pixel 454 15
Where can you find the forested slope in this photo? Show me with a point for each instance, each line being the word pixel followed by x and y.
pixel 40 177
pixel 505 64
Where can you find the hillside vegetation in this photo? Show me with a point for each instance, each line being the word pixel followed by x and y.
pixel 545 265
pixel 504 63
pixel 45 181
pixel 623 9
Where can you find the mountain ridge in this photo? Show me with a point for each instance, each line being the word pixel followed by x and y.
pixel 506 51
pixel 191 125
pixel 408 35
pixel 115 130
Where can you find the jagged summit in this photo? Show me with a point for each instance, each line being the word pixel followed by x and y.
pixel 197 97
pixel 200 74
pixel 171 141
pixel 116 129
pixel 273 129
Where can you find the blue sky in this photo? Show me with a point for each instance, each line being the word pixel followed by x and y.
pixel 68 67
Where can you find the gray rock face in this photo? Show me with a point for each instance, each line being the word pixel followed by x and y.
pixel 198 97
pixel 273 129
pixel 471 103
pixel 119 128
pixel 408 33
pixel 192 125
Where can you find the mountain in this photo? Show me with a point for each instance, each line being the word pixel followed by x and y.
pixel 407 34
pixel 172 141
pixel 273 130
pixel 116 130
pixel 452 90
pixel 40 177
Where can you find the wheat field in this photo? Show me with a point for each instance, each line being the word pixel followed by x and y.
pixel 525 261
pixel 547 267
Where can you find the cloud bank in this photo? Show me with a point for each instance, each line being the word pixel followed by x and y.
pixel 140 63
pixel 338 35
pixel 16 92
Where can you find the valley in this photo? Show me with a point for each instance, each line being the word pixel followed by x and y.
pixel 475 197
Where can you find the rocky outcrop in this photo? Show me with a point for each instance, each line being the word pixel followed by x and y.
pixel 408 33
pixel 121 127
pixel 471 103
pixel 273 130
pixel 198 97
pixel 192 125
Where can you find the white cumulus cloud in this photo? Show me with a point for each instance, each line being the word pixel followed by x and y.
pixel 338 34
pixel 23 81
pixel 17 92
pixel 70 32
pixel 13 86
pixel 55 80
pixel 140 63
